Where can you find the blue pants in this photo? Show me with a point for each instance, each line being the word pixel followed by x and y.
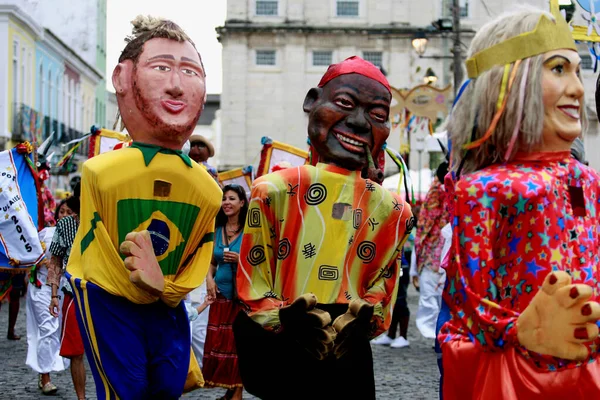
pixel 135 351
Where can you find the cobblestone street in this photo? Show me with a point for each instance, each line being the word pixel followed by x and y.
pixel 409 373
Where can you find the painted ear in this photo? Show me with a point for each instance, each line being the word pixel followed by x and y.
pixel 121 77
pixel 311 98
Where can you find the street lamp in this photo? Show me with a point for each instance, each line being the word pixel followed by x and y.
pixel 419 43
pixel 430 77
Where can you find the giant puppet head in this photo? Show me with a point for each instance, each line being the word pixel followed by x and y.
pixel 525 92
pixel 160 83
pixel 348 114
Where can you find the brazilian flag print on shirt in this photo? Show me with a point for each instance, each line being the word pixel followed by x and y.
pixel 119 195
pixel 169 223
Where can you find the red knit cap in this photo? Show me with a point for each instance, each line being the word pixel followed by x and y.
pixel 355 65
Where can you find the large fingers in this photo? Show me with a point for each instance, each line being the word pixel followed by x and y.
pixel 584 333
pixel 299 307
pixel 342 321
pixel 319 318
pixel 570 295
pixel 362 309
pixel 573 351
pixel 588 312
pixel 554 281
pixel 129 248
pixel 131 263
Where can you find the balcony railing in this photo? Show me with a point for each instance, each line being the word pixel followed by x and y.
pixel 29 124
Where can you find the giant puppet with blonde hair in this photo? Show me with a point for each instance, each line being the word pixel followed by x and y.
pixel 147 221
pixel 522 275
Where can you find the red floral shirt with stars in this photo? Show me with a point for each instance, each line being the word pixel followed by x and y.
pixel 513 224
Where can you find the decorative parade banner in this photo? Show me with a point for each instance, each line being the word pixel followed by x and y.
pixel 238 176
pixel 20 246
pixel 276 153
pixel 583 17
pixel 417 109
pixel 104 140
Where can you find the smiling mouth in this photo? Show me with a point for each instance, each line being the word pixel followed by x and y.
pixel 351 144
pixel 570 111
pixel 173 106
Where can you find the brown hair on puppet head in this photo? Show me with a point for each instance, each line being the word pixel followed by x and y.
pixel 146 28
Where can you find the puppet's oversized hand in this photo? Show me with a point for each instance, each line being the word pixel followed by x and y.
pixel 559 319
pixel 308 325
pixel 354 325
pixel 141 261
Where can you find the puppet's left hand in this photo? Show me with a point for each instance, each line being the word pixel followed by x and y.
pixel 354 325
pixel 141 261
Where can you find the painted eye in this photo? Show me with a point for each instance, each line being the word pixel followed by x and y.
pixel 162 68
pixel 345 103
pixel 559 69
pixel 379 115
pixel 190 72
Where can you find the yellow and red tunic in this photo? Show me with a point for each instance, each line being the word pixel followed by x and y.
pixel 321 230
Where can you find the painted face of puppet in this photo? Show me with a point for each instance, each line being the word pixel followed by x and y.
pixel 347 115
pixel 161 96
pixel 562 97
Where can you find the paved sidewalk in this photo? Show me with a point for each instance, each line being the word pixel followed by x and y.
pixel 409 373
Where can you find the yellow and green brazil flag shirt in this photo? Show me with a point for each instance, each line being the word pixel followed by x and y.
pixel 145 187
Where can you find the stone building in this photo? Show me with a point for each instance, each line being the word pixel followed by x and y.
pixel 275 50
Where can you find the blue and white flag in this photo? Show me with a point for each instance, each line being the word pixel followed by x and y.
pixel 20 246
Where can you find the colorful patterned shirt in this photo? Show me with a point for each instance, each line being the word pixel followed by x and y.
pixel 321 230
pixel 514 224
pixel 145 187
pixel 433 216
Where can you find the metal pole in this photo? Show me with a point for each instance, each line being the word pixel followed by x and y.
pixel 458 73
pixel 420 168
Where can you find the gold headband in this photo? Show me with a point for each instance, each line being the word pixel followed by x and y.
pixel 547 36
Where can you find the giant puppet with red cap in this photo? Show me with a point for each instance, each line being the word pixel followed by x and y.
pixel 319 257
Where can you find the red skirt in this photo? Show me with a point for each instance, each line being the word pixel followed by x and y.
pixel 220 362
pixel 470 373
pixel 71 343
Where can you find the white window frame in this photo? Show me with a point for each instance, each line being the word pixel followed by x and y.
pixel 361 10
pixel 265 68
pixel 383 56
pixel 255 8
pixel 465 4
pixel 23 73
pixel 256 64
pixel 16 72
pixel 42 84
pixel 362 13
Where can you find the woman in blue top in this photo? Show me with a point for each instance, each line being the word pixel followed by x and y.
pixel 220 363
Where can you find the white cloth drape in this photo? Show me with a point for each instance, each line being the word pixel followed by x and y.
pixel 43 330
pixel 200 324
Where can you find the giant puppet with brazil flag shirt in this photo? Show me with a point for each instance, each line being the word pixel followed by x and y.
pixel 147 221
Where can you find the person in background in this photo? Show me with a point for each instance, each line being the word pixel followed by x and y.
pixel 428 276
pixel 201 149
pixel 43 330
pixel 60 249
pixel 220 365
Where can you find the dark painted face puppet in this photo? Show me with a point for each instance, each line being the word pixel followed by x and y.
pixel 348 115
